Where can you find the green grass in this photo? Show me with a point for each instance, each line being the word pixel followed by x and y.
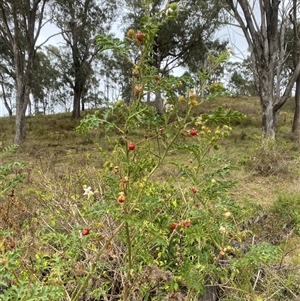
pixel 52 140
pixel 267 177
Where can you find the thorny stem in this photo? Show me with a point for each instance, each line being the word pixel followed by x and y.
pixel 129 246
pixel 161 159
pixel 127 228
pixel 16 277
pixel 94 265
pixel 128 240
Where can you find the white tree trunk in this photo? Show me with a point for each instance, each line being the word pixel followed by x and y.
pixel 268 120
pixel 22 100
pixel 260 27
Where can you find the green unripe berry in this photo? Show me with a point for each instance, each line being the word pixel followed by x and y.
pixel 174 6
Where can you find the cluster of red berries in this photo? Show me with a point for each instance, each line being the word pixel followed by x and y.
pixel 139 35
pixel 184 224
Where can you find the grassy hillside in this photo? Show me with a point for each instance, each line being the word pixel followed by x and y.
pixel 52 141
pixel 59 162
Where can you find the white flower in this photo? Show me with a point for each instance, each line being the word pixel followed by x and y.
pixel 88 191
pixel 222 229
pixel 227 214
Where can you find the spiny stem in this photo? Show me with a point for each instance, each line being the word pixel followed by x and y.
pixel 94 265
pixel 128 240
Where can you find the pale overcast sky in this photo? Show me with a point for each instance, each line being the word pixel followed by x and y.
pixel 236 40
pixel 230 33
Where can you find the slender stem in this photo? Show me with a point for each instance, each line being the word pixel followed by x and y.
pixel 16 277
pixel 128 241
pixel 94 265
pixel 161 159
pixel 129 246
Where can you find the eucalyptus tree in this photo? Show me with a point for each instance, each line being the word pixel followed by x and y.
pixel 241 79
pixel 259 22
pixel 7 92
pixel 7 74
pixel 79 22
pixel 184 41
pixel 45 79
pixel 20 26
pixel 117 69
pixel 295 37
pixel 58 93
pixel 291 45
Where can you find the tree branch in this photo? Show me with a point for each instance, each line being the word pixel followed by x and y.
pixel 50 37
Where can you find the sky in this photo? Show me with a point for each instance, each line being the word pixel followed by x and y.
pixel 236 40
pixel 232 34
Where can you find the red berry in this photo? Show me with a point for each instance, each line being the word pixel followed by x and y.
pixel 187 223
pixel 139 36
pixel 85 231
pixel 121 198
pixel 131 146
pixel 193 132
pixel 173 226
pixel 194 190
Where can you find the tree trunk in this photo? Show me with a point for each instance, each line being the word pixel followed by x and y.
pixel 268 121
pixel 36 107
pixel 261 33
pixel 22 100
pixel 296 121
pixel 82 104
pixel 296 57
pixel 8 108
pixel 76 103
pixel 20 128
pixel 159 103
pixel 267 103
pixel 30 108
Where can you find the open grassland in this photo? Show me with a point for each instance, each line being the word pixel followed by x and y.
pixel 54 146
pixel 267 177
